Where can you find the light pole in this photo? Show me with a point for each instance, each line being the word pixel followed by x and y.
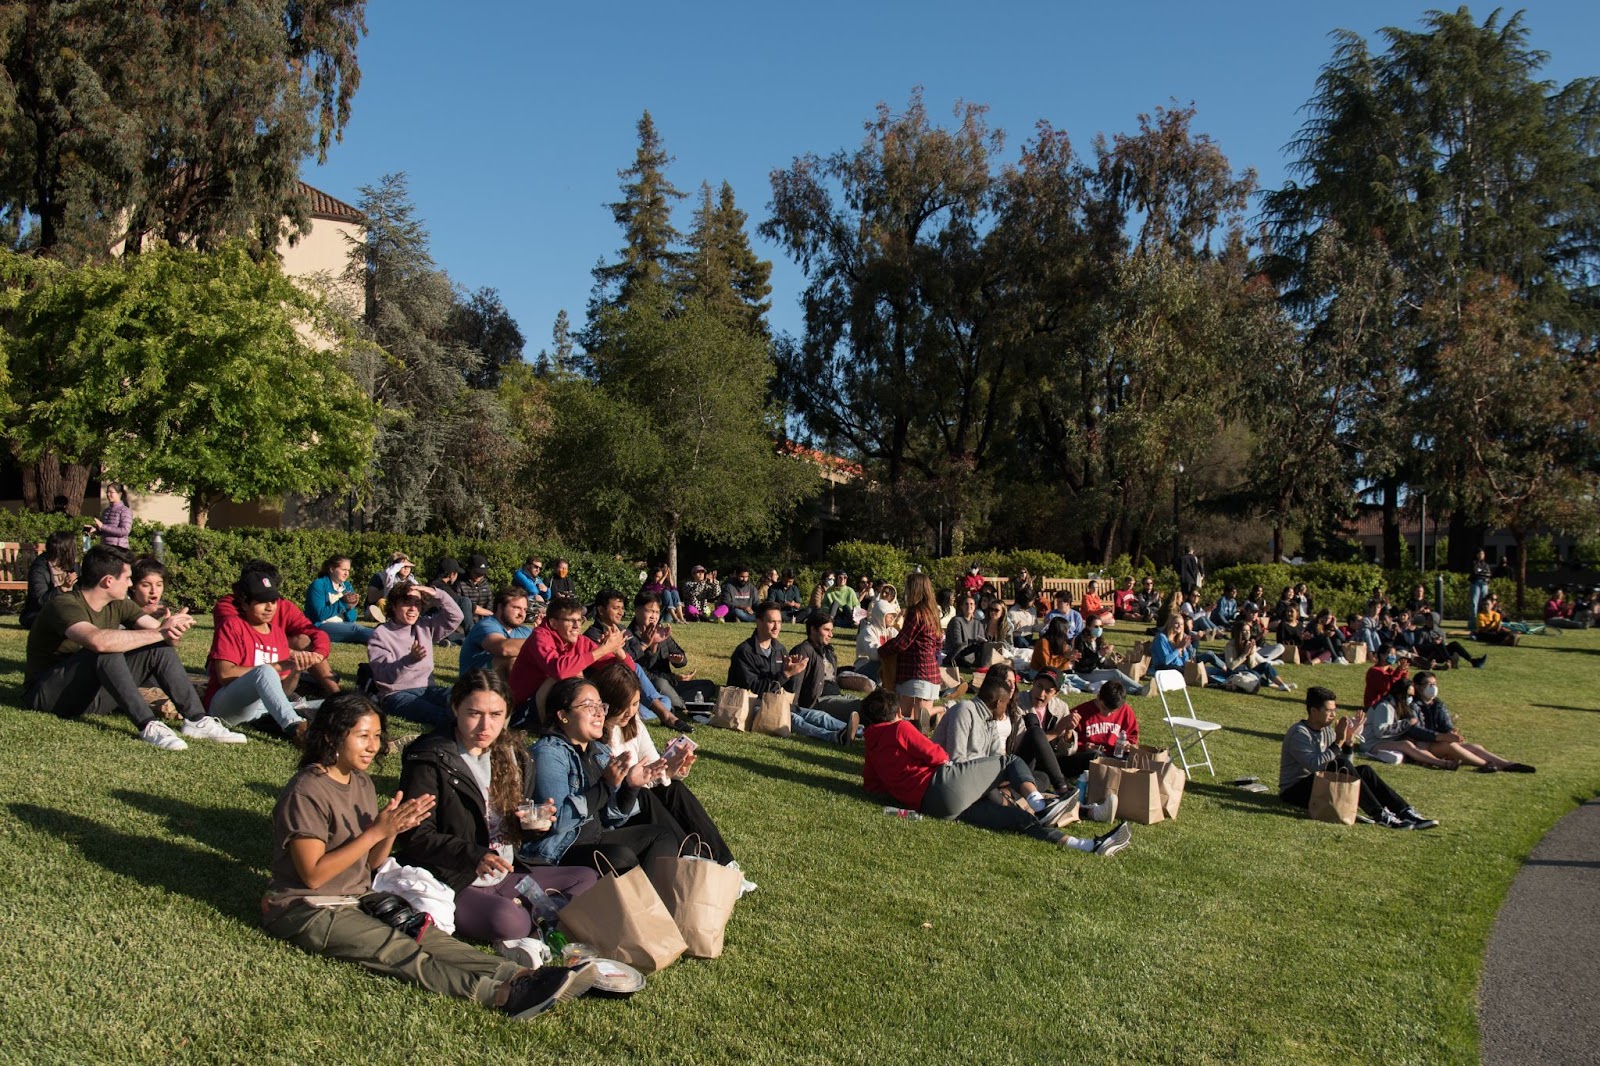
pixel 1177 528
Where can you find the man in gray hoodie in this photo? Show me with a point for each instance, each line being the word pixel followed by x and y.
pixel 1318 743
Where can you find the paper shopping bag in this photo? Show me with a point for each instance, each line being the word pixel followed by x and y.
pixel 733 708
pixel 1335 797
pixel 771 715
pixel 622 917
pixel 1139 797
pixel 1148 757
pixel 1194 674
pixel 1291 655
pixel 699 893
pixel 1104 775
pixel 1171 779
pixel 1355 651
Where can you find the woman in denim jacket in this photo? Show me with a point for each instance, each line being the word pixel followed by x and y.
pixel 573 768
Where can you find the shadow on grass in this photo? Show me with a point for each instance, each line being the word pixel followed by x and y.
pixel 218 881
pixel 1563 707
pixel 827 758
pixel 784 773
pixel 1238 799
pixel 1276 738
pixel 1570 651
pixel 246 835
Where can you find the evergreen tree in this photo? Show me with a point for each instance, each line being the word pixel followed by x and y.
pixel 650 256
pixel 480 321
pixel 721 269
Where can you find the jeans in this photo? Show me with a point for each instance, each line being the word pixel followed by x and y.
pixel 87 681
pixel 818 725
pixel 250 695
pixel 739 614
pixel 1097 677
pixel 670 599
pixel 425 706
pixel 1477 592
pixel 345 632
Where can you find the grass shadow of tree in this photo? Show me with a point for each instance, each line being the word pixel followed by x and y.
pixel 218 881
pixel 244 834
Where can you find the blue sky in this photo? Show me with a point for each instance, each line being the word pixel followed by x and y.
pixel 511 119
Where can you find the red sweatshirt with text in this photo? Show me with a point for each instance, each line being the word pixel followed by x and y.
pixel 1100 727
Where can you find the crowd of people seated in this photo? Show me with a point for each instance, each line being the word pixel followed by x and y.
pixel 537 761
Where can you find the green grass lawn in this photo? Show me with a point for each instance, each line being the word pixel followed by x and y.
pixel 129 881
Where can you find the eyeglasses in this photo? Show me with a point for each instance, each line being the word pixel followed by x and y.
pixel 591 707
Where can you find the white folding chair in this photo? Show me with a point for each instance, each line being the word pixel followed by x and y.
pixel 1194 729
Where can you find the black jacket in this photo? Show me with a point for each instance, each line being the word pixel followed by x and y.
pixel 455 836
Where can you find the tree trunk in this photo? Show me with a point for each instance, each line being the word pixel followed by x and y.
pixel 199 509
pixel 1522 567
pixel 74 483
pixel 1277 541
pixel 672 550
pixel 1391 523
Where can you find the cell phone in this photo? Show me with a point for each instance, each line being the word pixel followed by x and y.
pixel 678 747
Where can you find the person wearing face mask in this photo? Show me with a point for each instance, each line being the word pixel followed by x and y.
pixel 1383 673
pixel 1392 735
pixel 1091 666
pixel 1318 743
pixel 1436 730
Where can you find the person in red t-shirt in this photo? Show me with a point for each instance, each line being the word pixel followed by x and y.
pixel 918 775
pixel 254 664
pixel 558 649
pixel 1094 608
pixel 1125 601
pixel 1382 675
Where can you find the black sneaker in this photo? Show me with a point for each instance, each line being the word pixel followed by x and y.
pixel 1054 812
pixel 681 724
pixel 536 991
pixel 1108 844
pixel 1390 820
pixel 1477 664
pixel 847 735
pixel 1520 768
pixel 1418 821
pixel 1488 768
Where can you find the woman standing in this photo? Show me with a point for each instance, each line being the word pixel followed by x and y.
pixel 481 777
pixel 916 651
pixel 116 521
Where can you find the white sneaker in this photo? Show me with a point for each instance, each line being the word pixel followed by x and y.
pixel 208 728
pixel 1104 811
pixel 161 736
pixel 528 951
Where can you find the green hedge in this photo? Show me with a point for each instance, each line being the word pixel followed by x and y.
pixel 202 564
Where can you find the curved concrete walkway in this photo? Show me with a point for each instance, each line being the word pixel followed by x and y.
pixel 1536 1002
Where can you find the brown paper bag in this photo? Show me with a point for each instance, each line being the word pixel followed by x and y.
pixel 1291 655
pixel 699 894
pixel 993 654
pixel 622 917
pixel 771 715
pixel 1194 674
pixel 1335 797
pixel 1171 778
pixel 1355 651
pixel 733 708
pixel 1148 757
pixel 1139 797
pixel 1137 669
pixel 1104 775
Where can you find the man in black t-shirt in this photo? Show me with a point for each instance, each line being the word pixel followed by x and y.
pixel 90 649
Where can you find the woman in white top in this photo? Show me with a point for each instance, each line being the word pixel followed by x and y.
pixel 663 797
pixel 882 622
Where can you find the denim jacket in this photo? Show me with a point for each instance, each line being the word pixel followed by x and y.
pixel 558 773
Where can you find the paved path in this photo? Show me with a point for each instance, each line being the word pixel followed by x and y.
pixel 1536 1001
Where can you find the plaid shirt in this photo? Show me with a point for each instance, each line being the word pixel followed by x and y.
pixel 917 649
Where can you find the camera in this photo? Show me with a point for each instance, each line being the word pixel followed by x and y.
pixel 392 910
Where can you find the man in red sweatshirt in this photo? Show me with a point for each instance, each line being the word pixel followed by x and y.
pixel 559 649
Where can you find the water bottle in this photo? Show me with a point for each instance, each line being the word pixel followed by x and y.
pixel 1083 787
pixel 158 548
pixel 1122 745
pixel 903 814
pixel 86 542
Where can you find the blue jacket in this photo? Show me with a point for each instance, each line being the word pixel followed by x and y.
pixel 558 774
pixel 1163 656
pixel 1224 612
pixel 535 587
pixel 319 610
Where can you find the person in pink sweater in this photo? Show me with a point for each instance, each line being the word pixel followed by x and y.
pixel 918 775
pixel 400 653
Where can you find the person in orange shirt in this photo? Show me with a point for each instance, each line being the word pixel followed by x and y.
pixel 1095 608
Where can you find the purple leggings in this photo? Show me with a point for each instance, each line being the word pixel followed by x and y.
pixel 496 913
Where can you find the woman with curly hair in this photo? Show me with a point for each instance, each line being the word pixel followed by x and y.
pixel 482 777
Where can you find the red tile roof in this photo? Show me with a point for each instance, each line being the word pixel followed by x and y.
pixel 325 206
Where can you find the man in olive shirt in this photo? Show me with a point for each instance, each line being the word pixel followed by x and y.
pixel 81 658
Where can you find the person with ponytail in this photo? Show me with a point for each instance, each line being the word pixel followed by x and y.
pixel 482 776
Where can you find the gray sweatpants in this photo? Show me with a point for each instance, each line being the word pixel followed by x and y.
pixel 961 791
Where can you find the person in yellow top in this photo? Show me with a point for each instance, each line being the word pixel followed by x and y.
pixel 1491 628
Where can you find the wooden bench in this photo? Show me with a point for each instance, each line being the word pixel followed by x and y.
pixel 1072 586
pixel 14 566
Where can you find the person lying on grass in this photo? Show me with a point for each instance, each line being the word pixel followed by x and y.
pixel 481 778
pixel 596 796
pixel 260 648
pixel 1435 730
pixel 328 835
pixel 664 798
pixel 1318 743
pixel 918 775
pixel 91 649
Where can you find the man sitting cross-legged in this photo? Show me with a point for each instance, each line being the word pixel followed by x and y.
pixel 761 666
pixel 80 658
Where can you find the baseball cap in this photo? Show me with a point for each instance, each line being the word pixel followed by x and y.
pixel 257 587
pixel 446 565
pixel 477 565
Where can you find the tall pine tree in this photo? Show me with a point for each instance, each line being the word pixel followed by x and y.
pixel 650 257
pixel 721 270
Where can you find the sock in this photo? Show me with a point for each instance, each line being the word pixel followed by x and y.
pixel 1036 801
pixel 1078 844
